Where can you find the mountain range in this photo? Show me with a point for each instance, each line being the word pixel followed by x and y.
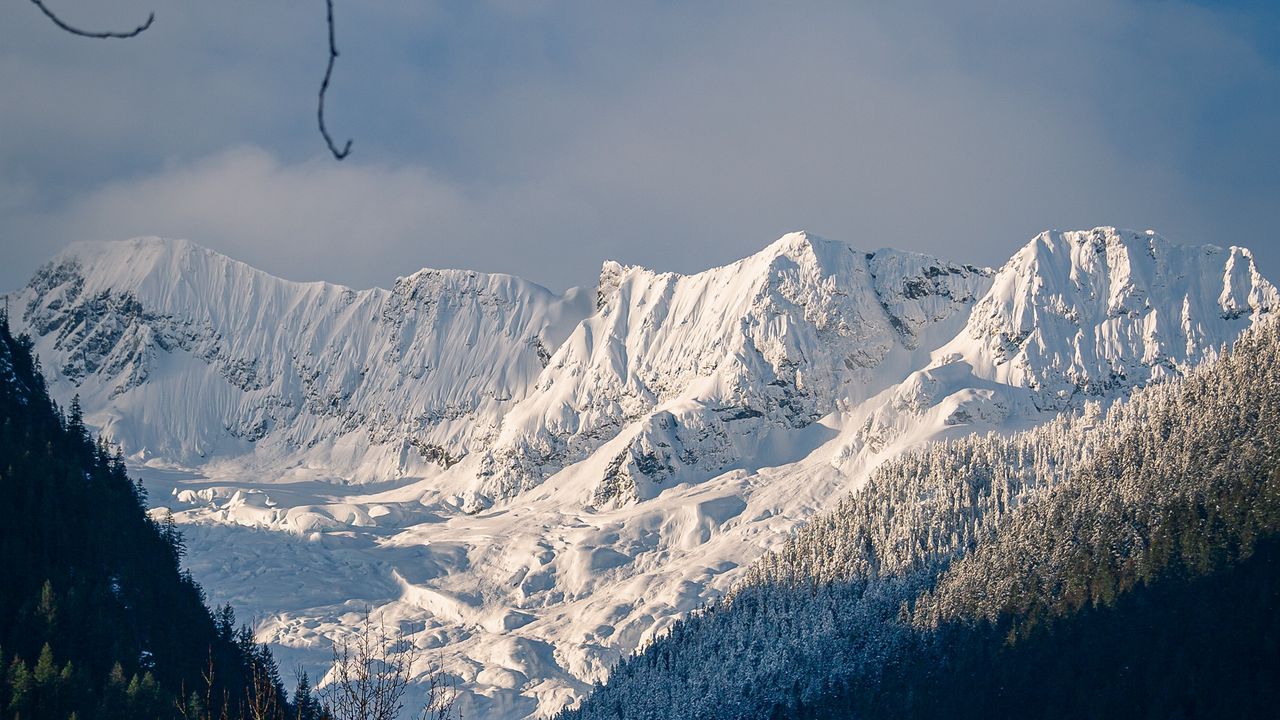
pixel 536 484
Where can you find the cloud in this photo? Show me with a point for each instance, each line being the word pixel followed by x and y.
pixel 541 138
pixel 300 220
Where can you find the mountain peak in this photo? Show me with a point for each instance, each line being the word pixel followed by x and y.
pixel 155 267
pixel 803 244
pixel 129 246
pixel 797 239
pixel 611 274
pixel 1085 312
pixel 144 251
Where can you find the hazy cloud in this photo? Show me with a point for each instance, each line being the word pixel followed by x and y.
pixel 300 221
pixel 541 138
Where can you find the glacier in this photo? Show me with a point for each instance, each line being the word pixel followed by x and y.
pixel 533 484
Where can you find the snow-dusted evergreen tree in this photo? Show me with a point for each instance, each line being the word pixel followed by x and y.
pixel 1184 479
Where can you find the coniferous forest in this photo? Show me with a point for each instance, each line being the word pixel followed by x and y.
pixel 1113 564
pixel 97 620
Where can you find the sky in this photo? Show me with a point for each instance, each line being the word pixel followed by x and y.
pixel 540 138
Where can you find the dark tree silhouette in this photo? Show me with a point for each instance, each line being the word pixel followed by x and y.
pixel 98 620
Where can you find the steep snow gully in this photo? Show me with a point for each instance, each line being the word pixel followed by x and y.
pixel 533 484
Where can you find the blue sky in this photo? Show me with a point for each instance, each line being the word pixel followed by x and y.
pixel 541 138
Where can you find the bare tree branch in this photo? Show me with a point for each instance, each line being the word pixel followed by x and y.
pixel 324 87
pixel 324 84
pixel 104 35
pixel 372 668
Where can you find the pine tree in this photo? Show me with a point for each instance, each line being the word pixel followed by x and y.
pixel 304 699
pixel 21 689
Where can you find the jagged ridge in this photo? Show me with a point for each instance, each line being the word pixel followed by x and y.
pixel 187 355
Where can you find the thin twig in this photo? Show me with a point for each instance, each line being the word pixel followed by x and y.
pixel 89 34
pixel 324 87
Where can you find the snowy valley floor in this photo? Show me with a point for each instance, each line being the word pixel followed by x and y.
pixel 525 604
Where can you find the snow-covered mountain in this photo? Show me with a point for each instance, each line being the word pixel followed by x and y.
pixel 1072 316
pixel 185 355
pixel 542 482
pixel 680 376
pixel 1087 313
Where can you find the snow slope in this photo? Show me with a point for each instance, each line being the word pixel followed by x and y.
pixel 534 484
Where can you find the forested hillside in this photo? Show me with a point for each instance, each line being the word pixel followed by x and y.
pixel 96 618
pixel 1105 565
